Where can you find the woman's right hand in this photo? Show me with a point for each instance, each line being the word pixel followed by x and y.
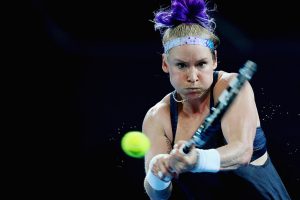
pixel 180 162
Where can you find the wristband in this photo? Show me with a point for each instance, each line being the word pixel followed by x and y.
pixel 208 161
pixel 155 182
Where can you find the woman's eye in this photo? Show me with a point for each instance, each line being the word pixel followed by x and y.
pixel 201 65
pixel 180 65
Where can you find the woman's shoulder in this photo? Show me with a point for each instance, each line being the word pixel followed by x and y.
pixel 223 80
pixel 160 110
pixel 225 77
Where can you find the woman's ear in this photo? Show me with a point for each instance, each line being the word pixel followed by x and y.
pixel 215 60
pixel 165 66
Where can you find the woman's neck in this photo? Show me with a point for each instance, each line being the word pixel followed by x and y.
pixel 197 105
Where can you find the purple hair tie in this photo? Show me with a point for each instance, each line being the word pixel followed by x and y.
pixel 188 40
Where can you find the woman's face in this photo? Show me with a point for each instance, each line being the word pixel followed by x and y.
pixel 190 68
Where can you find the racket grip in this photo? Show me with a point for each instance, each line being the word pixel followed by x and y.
pixel 187 148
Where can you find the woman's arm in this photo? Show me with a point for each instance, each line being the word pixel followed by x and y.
pixel 156 158
pixel 238 126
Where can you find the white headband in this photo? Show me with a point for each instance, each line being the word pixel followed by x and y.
pixel 188 40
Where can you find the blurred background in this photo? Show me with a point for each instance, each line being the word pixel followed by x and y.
pixel 91 69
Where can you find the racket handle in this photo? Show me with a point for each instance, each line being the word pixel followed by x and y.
pixel 187 147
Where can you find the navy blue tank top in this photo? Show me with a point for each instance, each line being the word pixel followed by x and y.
pixel 217 139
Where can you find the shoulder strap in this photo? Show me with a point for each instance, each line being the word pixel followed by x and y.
pixel 215 78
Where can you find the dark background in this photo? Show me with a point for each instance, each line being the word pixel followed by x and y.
pixel 91 69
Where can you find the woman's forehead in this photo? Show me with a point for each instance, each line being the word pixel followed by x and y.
pixel 189 51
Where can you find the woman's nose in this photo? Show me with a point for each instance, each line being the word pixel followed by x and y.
pixel 192 75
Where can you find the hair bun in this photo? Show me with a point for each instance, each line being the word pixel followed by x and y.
pixel 184 11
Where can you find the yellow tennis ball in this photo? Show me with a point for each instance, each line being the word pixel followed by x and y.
pixel 135 144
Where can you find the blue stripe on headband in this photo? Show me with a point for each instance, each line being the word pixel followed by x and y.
pixel 188 40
